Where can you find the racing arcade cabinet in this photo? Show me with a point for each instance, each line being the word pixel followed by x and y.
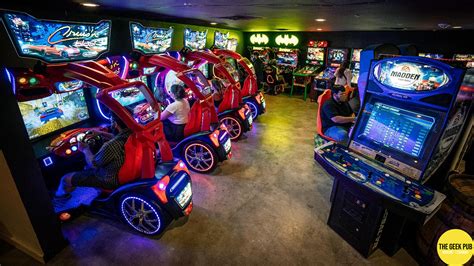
pixel 412 115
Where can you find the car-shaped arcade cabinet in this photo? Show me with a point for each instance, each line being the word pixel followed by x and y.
pixel 153 189
pixel 205 142
pixel 249 90
pixel 232 111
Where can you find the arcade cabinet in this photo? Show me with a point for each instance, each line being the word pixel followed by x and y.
pixel 413 113
pixel 335 58
pixel 408 49
pixel 431 55
pixel 355 66
pixel 315 57
pixel 287 61
pixel 467 58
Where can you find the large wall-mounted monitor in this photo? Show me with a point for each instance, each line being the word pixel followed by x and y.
pixel 195 40
pixel 149 40
pixel 52 113
pixel 56 41
pixel 221 39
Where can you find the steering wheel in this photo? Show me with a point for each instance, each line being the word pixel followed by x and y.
pixel 94 141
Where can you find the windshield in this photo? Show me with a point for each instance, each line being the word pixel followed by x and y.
pixel 232 71
pixel 249 64
pixel 200 80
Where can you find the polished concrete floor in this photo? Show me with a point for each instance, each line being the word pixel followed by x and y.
pixel 266 206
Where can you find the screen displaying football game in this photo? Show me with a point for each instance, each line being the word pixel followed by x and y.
pixel 315 56
pixel 397 129
pixel 59 110
pixel 287 59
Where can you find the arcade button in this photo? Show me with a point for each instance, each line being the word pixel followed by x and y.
pixel 417 196
pixel 378 182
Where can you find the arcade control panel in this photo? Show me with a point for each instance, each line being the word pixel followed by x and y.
pixel 306 70
pixel 378 179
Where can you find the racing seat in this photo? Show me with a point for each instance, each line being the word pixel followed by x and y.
pixel 326 95
pixel 199 119
pixel 232 99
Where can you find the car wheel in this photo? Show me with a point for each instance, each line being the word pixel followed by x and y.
pixel 142 214
pixel 200 157
pixel 234 127
pixel 253 109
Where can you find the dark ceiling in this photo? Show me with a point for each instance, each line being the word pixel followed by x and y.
pixel 268 15
pixel 340 15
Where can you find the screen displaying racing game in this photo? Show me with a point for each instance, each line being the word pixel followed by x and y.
pixel 59 110
pixel 395 128
pixel 150 40
pixel 221 39
pixel 337 55
pixel 287 59
pixel 195 40
pixel 315 56
pixel 134 101
pixel 53 41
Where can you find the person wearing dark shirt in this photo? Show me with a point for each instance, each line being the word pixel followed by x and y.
pixel 337 116
pixel 258 66
pixel 103 167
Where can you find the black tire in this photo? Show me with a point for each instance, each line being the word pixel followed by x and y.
pixel 234 126
pixel 200 157
pixel 145 211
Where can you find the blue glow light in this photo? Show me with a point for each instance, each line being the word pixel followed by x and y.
pixel 12 80
pixel 124 68
pixel 98 106
pixel 136 227
pixel 74 148
pixel 47 161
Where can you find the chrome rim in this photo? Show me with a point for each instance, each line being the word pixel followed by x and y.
pixel 233 127
pixel 140 215
pixel 253 109
pixel 199 157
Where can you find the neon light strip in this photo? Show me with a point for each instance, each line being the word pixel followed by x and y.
pixel 177 182
pixel 98 106
pixel 125 68
pixel 12 80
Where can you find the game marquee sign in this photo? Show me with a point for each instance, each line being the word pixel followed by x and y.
pixel 56 41
pixel 410 76
pixel 195 40
pixel 221 39
pixel 150 40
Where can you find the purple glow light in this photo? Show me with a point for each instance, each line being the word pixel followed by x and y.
pixel 125 68
pixel 98 107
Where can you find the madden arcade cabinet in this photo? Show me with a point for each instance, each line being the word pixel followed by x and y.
pixel 335 58
pixel 315 58
pixel 413 113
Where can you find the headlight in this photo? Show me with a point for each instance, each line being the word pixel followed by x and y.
pixel 184 196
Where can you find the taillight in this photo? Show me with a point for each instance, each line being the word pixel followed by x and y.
pixel 160 189
pixel 180 166
pixel 214 136
pixel 242 113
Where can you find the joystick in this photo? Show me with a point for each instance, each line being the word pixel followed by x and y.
pixel 369 176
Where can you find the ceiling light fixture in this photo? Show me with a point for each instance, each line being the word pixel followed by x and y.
pixel 213 23
pixel 457 27
pixel 320 19
pixel 319 29
pixel 89 4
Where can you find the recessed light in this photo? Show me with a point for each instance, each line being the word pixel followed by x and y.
pixel 89 4
pixel 320 19
pixel 213 23
pixel 319 29
pixel 457 27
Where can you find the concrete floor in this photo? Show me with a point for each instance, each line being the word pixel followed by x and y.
pixel 268 205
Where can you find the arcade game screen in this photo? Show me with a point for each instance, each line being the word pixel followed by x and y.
pixel 59 110
pixel 396 128
pixel 221 39
pixel 337 55
pixel 287 59
pixel 232 44
pixel 315 55
pixel 356 55
pixel 150 40
pixel 200 81
pixel 134 101
pixel 195 40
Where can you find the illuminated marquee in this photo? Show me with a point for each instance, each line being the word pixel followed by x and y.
pixel 53 41
pixel 287 40
pixel 150 40
pixel 259 39
pixel 221 40
pixel 195 40
pixel 410 76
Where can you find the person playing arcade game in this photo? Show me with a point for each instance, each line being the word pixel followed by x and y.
pixel 102 167
pixel 337 116
pixel 258 66
pixel 175 116
pixel 343 75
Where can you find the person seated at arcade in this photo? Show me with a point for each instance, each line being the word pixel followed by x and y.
pixel 175 116
pixel 337 116
pixel 218 89
pixel 103 167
